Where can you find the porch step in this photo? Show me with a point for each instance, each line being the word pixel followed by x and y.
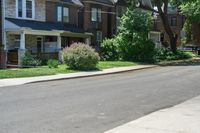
pixel 11 66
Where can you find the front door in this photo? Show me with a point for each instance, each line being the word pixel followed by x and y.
pixel 39 45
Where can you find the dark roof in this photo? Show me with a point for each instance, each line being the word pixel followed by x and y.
pixel 48 26
pixel 109 2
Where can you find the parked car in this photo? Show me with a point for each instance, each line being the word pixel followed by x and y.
pixel 190 47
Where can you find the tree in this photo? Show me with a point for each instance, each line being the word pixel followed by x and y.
pixel 132 37
pixel 162 10
pixel 190 9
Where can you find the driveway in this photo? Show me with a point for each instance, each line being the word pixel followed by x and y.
pixel 95 104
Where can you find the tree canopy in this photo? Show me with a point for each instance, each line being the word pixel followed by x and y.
pixel 191 9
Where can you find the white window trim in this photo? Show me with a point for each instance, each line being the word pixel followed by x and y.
pixel 24 10
pixel 64 14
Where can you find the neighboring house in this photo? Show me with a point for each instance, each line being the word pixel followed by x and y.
pixel 101 18
pixel 176 21
pixel 2 52
pixel 195 35
pixel 42 27
pixel 1 37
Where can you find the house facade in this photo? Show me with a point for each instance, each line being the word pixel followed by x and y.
pixel 44 27
pixel 100 17
pixel 2 52
pixel 176 21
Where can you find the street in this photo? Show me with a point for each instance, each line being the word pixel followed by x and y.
pixel 95 104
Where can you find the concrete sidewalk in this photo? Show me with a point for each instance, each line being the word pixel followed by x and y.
pixel 183 118
pixel 20 81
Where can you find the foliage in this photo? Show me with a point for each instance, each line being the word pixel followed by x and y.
pixel 30 60
pixel 109 50
pixel 53 63
pixel 80 57
pixel 191 9
pixel 167 55
pixel 132 39
pixel 188 30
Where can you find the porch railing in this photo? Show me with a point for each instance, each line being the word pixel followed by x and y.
pixel 12 57
pixel 47 56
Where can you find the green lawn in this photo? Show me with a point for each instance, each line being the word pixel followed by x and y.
pixel 43 71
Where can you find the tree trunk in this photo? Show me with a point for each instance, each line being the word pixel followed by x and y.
pixel 173 37
pixel 173 43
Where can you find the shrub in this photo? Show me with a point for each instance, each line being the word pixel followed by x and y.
pixel 142 50
pixel 30 60
pixel 80 56
pixel 132 37
pixel 167 55
pixel 53 63
pixel 109 50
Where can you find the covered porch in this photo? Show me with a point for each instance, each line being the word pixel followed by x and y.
pixel 45 44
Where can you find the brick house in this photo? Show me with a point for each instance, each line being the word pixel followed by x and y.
pixel 176 21
pixel 2 52
pixel 42 27
pixel 100 17
pixel 1 22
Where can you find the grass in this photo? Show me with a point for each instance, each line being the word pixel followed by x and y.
pixel 62 69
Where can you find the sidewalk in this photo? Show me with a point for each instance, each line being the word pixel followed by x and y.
pixel 183 118
pixel 20 81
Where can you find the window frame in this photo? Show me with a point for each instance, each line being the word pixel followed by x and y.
pixel 174 21
pixel 97 13
pixel 59 10
pixel 24 9
pixel 63 14
pixel 62 9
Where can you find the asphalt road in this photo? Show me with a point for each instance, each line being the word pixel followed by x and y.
pixel 95 104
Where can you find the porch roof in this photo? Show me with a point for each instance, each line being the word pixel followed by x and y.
pixel 75 2
pixel 46 26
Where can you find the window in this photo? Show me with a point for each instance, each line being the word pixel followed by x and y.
pixel 29 9
pixel 65 14
pixel 17 41
pixel 19 8
pixel 62 14
pixel 59 13
pixel 25 9
pixel 99 36
pixel 173 21
pixel 96 15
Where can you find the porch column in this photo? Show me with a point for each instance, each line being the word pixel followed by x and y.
pixel 88 40
pixel 59 41
pixel 22 49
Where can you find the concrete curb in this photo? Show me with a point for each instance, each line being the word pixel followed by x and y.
pixel 95 75
pixel 29 80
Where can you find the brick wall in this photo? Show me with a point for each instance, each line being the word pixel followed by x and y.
pixel 104 26
pixel 51 10
pixel 0 22
pixel 196 33
pixel 158 26
pixel 2 52
pixel 40 15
